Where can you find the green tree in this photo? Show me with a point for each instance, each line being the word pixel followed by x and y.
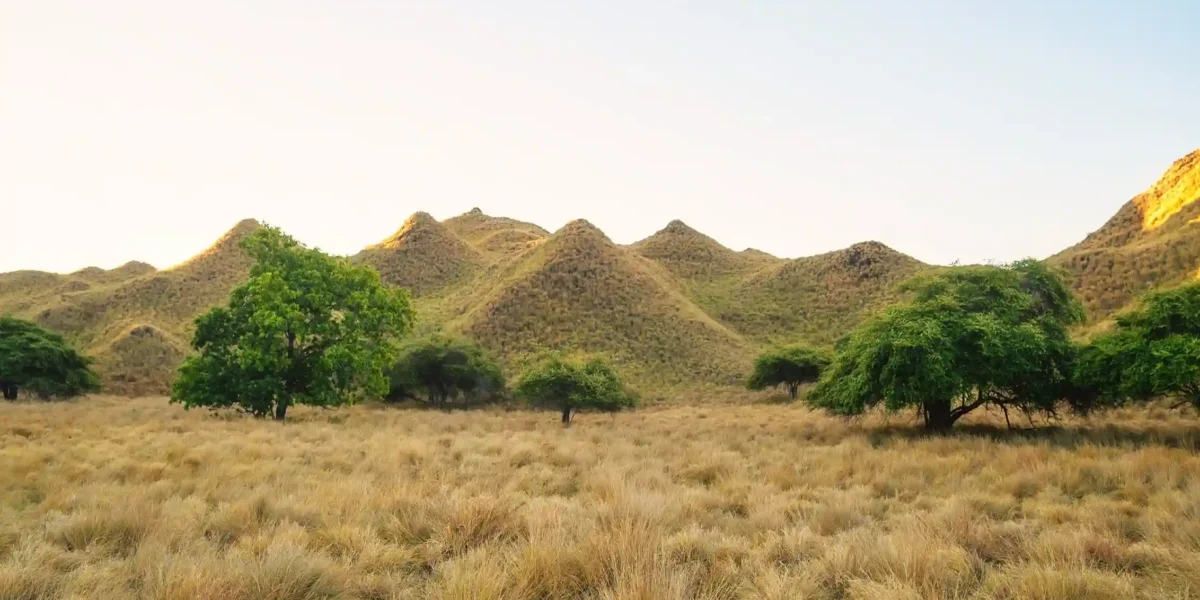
pixel 969 337
pixel 789 366
pixel 40 362
pixel 307 328
pixel 443 368
pixel 1153 352
pixel 569 385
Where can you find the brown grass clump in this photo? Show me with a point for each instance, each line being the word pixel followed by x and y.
pixel 107 498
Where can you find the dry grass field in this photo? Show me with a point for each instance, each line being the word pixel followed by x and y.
pixel 115 498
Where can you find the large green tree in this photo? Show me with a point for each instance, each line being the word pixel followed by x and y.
pixel 1152 352
pixel 307 328
pixel 789 366
pixel 440 369
pixel 569 385
pixel 968 337
pixel 41 363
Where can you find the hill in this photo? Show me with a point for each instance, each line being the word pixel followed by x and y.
pixel 1153 240
pixel 771 300
pixel 578 291
pixel 497 237
pixel 132 319
pixel 423 256
pixel 673 310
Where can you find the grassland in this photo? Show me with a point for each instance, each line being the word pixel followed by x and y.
pixel 118 498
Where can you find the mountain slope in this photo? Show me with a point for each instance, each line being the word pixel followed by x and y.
pixel 578 291
pixel 496 237
pixel 674 309
pixel 1152 241
pixel 423 256
pixel 132 319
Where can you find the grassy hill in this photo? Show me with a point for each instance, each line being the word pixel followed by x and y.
pixel 576 290
pixel 423 256
pixel 1152 241
pixel 134 320
pixel 674 310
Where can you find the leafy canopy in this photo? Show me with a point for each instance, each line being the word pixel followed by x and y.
pixel 969 337
pixel 572 384
pixel 41 362
pixel 789 366
pixel 1154 351
pixel 443 368
pixel 307 328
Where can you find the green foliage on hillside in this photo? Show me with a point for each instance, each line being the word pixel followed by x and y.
pixel 969 337
pixel 442 370
pixel 41 363
pixel 1154 352
pixel 789 366
pixel 569 385
pixel 306 328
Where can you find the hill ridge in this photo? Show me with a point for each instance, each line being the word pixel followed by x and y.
pixel 423 255
pixel 677 308
pixel 1153 240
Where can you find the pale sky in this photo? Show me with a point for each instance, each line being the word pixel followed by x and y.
pixel 945 129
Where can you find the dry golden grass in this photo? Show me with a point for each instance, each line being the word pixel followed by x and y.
pixel 112 498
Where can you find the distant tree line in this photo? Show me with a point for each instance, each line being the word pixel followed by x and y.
pixel 312 329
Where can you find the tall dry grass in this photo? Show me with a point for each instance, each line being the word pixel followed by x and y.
pixel 112 498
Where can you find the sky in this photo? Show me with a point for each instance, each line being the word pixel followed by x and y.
pixel 949 130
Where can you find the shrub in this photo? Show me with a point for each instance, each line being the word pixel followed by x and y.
pixel 441 369
pixel 1153 352
pixel 40 362
pixel 789 366
pixel 570 385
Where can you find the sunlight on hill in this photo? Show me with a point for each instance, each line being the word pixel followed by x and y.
pixel 1152 241
pixel 1179 187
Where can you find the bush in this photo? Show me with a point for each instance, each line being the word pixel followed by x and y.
pixel 40 362
pixel 570 385
pixel 1154 352
pixel 789 366
pixel 439 370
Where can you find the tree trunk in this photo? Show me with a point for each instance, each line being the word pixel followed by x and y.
pixel 938 416
pixel 10 391
pixel 566 416
pixel 792 388
pixel 281 411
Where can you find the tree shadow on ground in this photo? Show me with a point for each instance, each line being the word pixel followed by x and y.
pixel 1068 436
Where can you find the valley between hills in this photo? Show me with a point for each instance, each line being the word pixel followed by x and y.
pixel 675 311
